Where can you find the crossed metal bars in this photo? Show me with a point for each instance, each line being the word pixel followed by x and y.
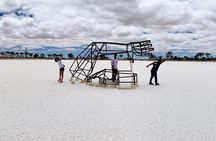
pixel 83 65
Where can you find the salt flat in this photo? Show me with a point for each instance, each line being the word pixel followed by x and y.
pixel 33 106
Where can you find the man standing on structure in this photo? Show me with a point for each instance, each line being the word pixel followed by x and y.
pixel 114 63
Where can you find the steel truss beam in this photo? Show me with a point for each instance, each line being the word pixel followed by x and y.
pixel 83 65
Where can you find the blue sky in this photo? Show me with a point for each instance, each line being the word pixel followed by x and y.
pixel 181 26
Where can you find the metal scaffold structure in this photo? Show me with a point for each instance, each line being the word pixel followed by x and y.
pixel 83 65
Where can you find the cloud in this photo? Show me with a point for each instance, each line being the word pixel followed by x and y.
pixel 172 23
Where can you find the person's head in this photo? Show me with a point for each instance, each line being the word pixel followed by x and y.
pixel 115 56
pixel 160 60
pixel 56 59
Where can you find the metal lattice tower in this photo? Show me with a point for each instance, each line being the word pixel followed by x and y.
pixel 84 63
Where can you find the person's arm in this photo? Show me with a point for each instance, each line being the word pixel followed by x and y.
pixel 149 64
pixel 112 63
pixel 163 61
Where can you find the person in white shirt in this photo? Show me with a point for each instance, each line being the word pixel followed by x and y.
pixel 61 69
pixel 114 66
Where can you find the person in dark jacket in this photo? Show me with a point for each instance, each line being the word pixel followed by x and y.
pixel 155 66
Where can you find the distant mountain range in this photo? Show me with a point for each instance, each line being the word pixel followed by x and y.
pixel 47 50
pixel 75 50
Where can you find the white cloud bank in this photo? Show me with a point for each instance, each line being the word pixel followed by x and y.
pixel 170 24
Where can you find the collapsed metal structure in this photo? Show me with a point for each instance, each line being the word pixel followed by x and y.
pixel 84 64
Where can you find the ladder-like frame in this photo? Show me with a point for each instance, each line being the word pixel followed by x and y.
pixel 83 65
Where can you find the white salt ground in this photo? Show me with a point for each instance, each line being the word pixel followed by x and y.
pixel 34 107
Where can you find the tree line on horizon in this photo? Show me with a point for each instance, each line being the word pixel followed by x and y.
pixel 168 55
pixel 11 54
pixel 198 56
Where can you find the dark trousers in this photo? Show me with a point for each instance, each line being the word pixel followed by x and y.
pixel 153 75
pixel 114 73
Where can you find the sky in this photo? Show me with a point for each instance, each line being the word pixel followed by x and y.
pixel 180 26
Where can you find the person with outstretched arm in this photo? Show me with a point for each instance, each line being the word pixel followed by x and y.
pixel 155 66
